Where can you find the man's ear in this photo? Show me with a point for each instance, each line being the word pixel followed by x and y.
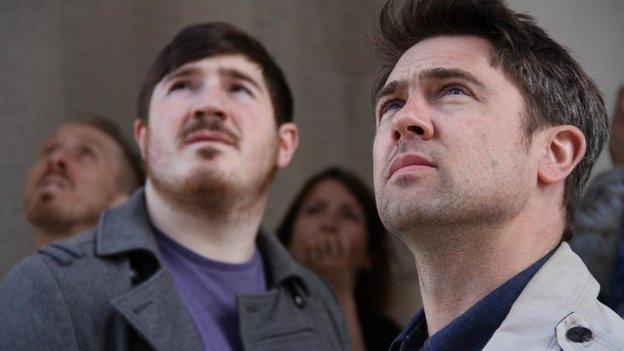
pixel 140 135
pixel 288 140
pixel 564 148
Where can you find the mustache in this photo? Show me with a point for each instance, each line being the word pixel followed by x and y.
pixel 213 124
pixel 406 147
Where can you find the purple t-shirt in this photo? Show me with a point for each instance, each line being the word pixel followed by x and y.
pixel 208 290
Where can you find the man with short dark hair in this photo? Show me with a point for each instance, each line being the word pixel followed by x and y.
pixel 487 131
pixel 85 167
pixel 183 265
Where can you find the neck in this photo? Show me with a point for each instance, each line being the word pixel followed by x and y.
pixel 459 266
pixel 222 235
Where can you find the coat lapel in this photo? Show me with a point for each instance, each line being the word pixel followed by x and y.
pixel 155 310
pixel 153 307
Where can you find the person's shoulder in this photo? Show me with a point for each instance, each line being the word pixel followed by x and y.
pixel 600 211
pixel 40 296
pixel 54 256
pixel 595 328
pixel 605 186
pixel 68 266
pixel 65 252
pixel 606 319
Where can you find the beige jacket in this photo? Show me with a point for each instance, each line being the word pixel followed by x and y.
pixel 559 310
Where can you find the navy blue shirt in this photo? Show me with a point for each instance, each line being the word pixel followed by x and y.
pixel 474 328
pixel 208 289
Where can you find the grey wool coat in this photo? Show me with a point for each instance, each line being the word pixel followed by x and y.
pixel 107 290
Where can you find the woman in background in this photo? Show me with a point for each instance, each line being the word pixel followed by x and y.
pixel 333 229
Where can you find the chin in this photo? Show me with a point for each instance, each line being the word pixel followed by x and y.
pixel 207 152
pixel 202 180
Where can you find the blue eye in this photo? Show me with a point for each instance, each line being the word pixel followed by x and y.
pixel 390 106
pixel 455 90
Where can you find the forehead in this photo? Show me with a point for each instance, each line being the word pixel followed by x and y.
pixel 82 133
pixel 220 64
pixel 468 53
pixel 332 189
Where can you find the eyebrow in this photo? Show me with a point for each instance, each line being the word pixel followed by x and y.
pixel 450 73
pixel 433 73
pixel 229 72
pixel 236 74
pixel 182 72
pixel 389 89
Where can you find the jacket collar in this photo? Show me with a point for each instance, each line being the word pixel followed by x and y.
pixel 127 228
pixel 277 259
pixel 153 306
pixel 562 286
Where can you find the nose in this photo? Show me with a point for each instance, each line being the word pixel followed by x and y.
pixel 57 160
pixel 211 103
pixel 329 222
pixel 413 121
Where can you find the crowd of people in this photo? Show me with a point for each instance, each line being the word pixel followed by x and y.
pixel 486 133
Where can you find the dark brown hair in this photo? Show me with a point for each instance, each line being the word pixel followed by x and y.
pixel 372 288
pixel 556 89
pixel 204 40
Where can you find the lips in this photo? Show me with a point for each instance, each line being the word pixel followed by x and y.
pixel 201 136
pixel 53 180
pixel 408 160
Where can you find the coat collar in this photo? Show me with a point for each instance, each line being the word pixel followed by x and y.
pixel 127 228
pixel 562 286
pixel 153 307
pixel 278 261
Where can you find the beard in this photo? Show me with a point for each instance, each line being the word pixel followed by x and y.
pixel 448 206
pixel 56 216
pixel 208 190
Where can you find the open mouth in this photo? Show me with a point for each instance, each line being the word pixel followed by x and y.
pixel 52 182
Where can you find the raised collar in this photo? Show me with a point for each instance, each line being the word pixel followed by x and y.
pixel 561 287
pixel 127 228
pixel 473 328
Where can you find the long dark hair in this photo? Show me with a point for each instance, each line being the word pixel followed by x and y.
pixel 372 288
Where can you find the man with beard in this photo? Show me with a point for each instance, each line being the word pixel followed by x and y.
pixel 85 167
pixel 183 264
pixel 487 131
